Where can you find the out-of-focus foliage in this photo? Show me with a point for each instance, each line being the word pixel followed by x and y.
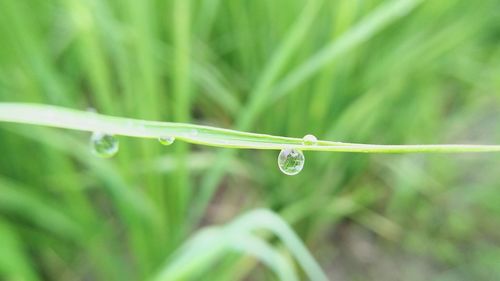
pixel 367 71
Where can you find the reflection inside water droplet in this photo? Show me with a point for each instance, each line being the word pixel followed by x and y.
pixel 166 140
pixel 291 161
pixel 309 140
pixel 104 145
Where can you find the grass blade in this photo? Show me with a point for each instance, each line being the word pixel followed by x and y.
pixel 204 135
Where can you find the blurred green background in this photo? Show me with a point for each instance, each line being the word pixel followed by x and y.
pixel 371 71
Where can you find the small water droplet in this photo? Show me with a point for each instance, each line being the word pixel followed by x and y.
pixel 104 145
pixel 309 140
pixel 291 161
pixel 166 140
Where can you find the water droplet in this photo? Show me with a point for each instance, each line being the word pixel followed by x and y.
pixel 291 161
pixel 166 140
pixel 104 145
pixel 309 140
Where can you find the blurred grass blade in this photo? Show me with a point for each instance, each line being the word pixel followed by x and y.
pixel 14 261
pixel 267 220
pixel 370 25
pixel 209 244
pixel 278 61
pixel 15 200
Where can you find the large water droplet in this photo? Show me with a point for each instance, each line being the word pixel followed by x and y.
pixel 104 145
pixel 309 140
pixel 168 140
pixel 291 161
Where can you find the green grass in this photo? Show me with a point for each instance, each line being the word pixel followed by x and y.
pixel 204 135
pixel 359 72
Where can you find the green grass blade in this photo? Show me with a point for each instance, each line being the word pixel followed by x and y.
pixel 358 34
pixel 203 135
pixel 210 244
pixel 267 220
pixel 14 261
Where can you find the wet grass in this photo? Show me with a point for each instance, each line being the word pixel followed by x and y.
pixel 376 72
